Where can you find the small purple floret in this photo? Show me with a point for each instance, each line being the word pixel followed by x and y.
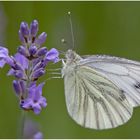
pixel 52 55
pixel 35 100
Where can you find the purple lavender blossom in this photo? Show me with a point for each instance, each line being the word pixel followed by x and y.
pixel 28 65
pixel 35 100
pixel 52 55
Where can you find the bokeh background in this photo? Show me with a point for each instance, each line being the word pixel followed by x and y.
pixel 99 28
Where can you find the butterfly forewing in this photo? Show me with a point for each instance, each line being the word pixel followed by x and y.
pixel 122 72
pixel 93 101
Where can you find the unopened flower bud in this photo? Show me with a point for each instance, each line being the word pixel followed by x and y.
pixel 32 50
pixel 24 29
pixel 34 28
pixel 42 51
pixel 41 39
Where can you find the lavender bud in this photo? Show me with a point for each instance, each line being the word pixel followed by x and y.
pixel 41 39
pixel 38 73
pixel 24 29
pixel 16 86
pixel 39 65
pixel 17 67
pixel 34 28
pixel 23 50
pixel 19 74
pixel 23 86
pixel 21 37
pixel 41 51
pixel 32 50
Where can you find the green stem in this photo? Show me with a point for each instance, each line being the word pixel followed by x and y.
pixel 22 123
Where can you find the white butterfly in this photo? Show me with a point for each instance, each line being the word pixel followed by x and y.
pixel 100 90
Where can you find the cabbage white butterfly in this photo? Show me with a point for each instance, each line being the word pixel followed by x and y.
pixel 100 90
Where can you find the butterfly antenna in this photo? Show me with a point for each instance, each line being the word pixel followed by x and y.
pixel 71 28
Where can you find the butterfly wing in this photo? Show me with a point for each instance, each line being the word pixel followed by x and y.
pixel 122 72
pixel 93 101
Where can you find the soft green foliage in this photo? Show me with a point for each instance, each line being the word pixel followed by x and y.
pixel 100 28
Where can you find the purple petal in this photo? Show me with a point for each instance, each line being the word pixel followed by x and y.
pixel 2 63
pixel 3 52
pixel 11 72
pixel 21 60
pixel 43 102
pixel 39 88
pixel 36 108
pixel 9 60
pixel 52 55
pixel 38 92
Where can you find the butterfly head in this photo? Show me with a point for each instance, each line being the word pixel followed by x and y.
pixel 72 56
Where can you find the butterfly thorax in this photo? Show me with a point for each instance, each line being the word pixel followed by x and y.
pixel 72 59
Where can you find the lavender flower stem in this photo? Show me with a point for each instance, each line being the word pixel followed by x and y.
pixel 22 123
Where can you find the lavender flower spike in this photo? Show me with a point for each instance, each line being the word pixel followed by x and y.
pixel 28 65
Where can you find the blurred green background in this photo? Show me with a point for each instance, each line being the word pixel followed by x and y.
pixel 99 28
